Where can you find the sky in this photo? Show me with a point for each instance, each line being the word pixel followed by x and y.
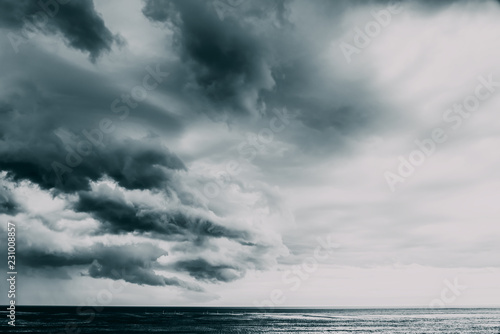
pixel 251 152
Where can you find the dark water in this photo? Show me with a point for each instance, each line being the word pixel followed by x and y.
pixel 237 320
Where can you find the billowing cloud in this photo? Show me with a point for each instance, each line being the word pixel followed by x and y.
pixel 78 22
pixel 133 263
pixel 258 57
pixel 44 144
pixel 180 224
pixel 143 169
pixel 228 61
pixel 203 270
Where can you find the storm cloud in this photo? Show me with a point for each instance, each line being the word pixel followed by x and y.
pixel 228 61
pixel 203 270
pixel 132 263
pixel 78 22
pixel 121 216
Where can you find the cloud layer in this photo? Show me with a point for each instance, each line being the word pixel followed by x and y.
pixel 152 144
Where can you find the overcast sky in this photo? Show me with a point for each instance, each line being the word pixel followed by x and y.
pixel 252 152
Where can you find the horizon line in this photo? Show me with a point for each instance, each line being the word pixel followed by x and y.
pixel 277 308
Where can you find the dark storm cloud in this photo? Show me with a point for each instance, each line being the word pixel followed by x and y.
pixel 256 256
pixel 119 216
pixel 132 164
pixel 203 270
pixel 132 263
pixel 135 264
pixel 226 59
pixel 253 57
pixel 81 26
pixel 51 122
pixel 251 60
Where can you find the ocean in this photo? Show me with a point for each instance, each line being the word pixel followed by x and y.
pixel 247 320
